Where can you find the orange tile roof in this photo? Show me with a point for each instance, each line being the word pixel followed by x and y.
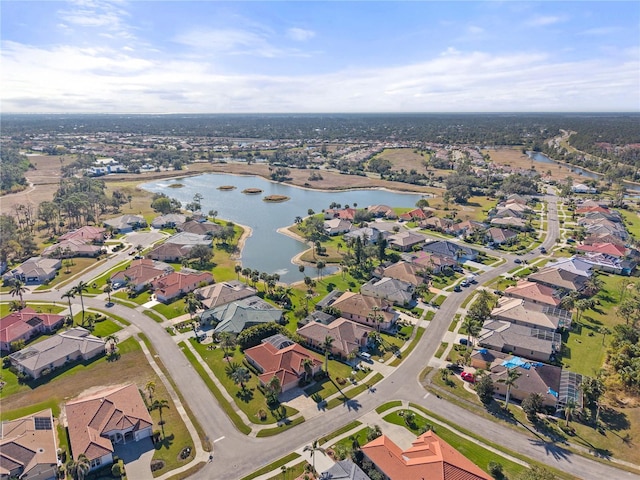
pixel 91 417
pixel 608 248
pixel 18 323
pixel 428 457
pixel 286 364
pixel 535 292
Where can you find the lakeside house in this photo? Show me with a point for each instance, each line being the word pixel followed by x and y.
pixel 126 223
pixel 176 284
pixel 235 316
pixel 219 294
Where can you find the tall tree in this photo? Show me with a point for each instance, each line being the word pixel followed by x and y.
pixel 18 289
pixel 239 374
pixel 160 404
pixel 326 345
pixel 227 342
pixel 313 449
pixel 80 289
pixel 150 387
pixel 192 304
pixel 512 377
pixel 471 327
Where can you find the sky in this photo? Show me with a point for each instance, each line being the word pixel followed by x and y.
pixel 123 56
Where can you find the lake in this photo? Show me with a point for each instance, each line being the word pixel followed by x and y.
pixel 267 250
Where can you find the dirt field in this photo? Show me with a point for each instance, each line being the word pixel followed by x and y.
pixel 45 179
pixel 514 157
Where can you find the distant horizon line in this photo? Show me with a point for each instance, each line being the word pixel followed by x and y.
pixel 580 112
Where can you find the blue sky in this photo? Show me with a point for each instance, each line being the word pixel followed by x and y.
pixel 241 57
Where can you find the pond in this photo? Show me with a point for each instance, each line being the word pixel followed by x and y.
pixel 267 250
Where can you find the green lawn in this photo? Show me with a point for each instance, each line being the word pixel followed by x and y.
pixel 396 361
pixel 340 431
pixel 272 466
pixel 101 281
pixel 173 310
pixel 251 400
pixel 38 307
pixel 443 346
pixel 140 299
pixel 105 328
pixel 66 273
pixel 631 221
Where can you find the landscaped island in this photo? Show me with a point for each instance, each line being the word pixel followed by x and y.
pixel 227 187
pixel 276 198
pixel 252 191
pixel 176 185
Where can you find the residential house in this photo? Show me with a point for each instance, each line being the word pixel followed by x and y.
pixel 406 241
pixel 560 279
pixel 189 239
pixel 279 357
pixel 583 210
pixel 170 252
pixel 429 457
pixel 74 344
pixel 140 273
pixel 514 210
pixel 384 211
pixel 88 234
pixel 467 227
pixel 573 265
pixel 555 385
pixel 582 188
pixel 516 198
pixel 26 324
pixel 608 263
pixel 509 222
pixel 500 236
pixel 236 316
pixel 604 228
pixel 176 284
pixel 348 214
pixel 368 235
pixel 199 228
pixel 438 224
pixel 126 223
pixel 35 271
pixel 360 308
pixel 433 262
pixel 316 316
pixel 348 337
pixel 391 289
pixel 535 293
pixel 170 220
pixel 114 416
pixel 460 253
pixel 593 238
pixel 520 312
pixel 344 470
pixel 527 342
pixel 72 248
pixel 618 251
pixel 218 294
pixel 28 447
pixel 415 215
pixel 336 226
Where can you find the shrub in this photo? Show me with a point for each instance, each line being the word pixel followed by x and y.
pixel 116 470
pixel 496 470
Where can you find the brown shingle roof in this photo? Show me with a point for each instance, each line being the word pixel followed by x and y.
pixel 286 364
pixel 345 333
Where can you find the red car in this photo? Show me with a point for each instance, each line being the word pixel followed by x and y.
pixel 469 377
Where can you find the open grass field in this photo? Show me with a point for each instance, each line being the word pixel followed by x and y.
pixel 67 272
pixel 514 158
pixel 631 221
pixel 38 307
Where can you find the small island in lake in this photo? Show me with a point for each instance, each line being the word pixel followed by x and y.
pixel 176 185
pixel 251 191
pixel 275 198
pixel 227 187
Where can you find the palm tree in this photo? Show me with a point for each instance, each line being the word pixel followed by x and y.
pixel 594 285
pixel 15 306
pixel 160 404
pixel 326 345
pixel 512 377
pixel 108 289
pixel 604 331
pixel 227 342
pixel 376 317
pixel 312 449
pixel 581 306
pixel 569 409
pixel 112 340
pixel 69 294
pixel 307 364
pixel 320 266
pixel 239 374
pixel 238 269
pixel 472 327
pixel 192 304
pixel 18 289
pixel 79 468
pixel 79 289
pixel 569 301
pixel 150 387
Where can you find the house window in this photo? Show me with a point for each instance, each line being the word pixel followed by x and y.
pixel 96 462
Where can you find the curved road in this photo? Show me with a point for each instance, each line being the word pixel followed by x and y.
pixel 236 455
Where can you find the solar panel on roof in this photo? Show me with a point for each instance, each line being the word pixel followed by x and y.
pixel 42 423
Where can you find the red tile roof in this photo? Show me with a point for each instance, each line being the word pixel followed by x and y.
pixel 535 292
pixel 86 233
pixel 608 248
pixel 139 272
pixel 16 324
pixel 286 364
pixel 178 283
pixel 428 457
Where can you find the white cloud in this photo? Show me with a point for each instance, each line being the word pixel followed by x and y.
pixel 475 30
pixel 300 34
pixel 66 78
pixel 102 15
pixel 543 21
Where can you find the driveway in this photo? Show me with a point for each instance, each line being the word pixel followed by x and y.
pixel 143 238
pixel 137 458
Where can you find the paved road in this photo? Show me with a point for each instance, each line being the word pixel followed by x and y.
pixel 236 455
